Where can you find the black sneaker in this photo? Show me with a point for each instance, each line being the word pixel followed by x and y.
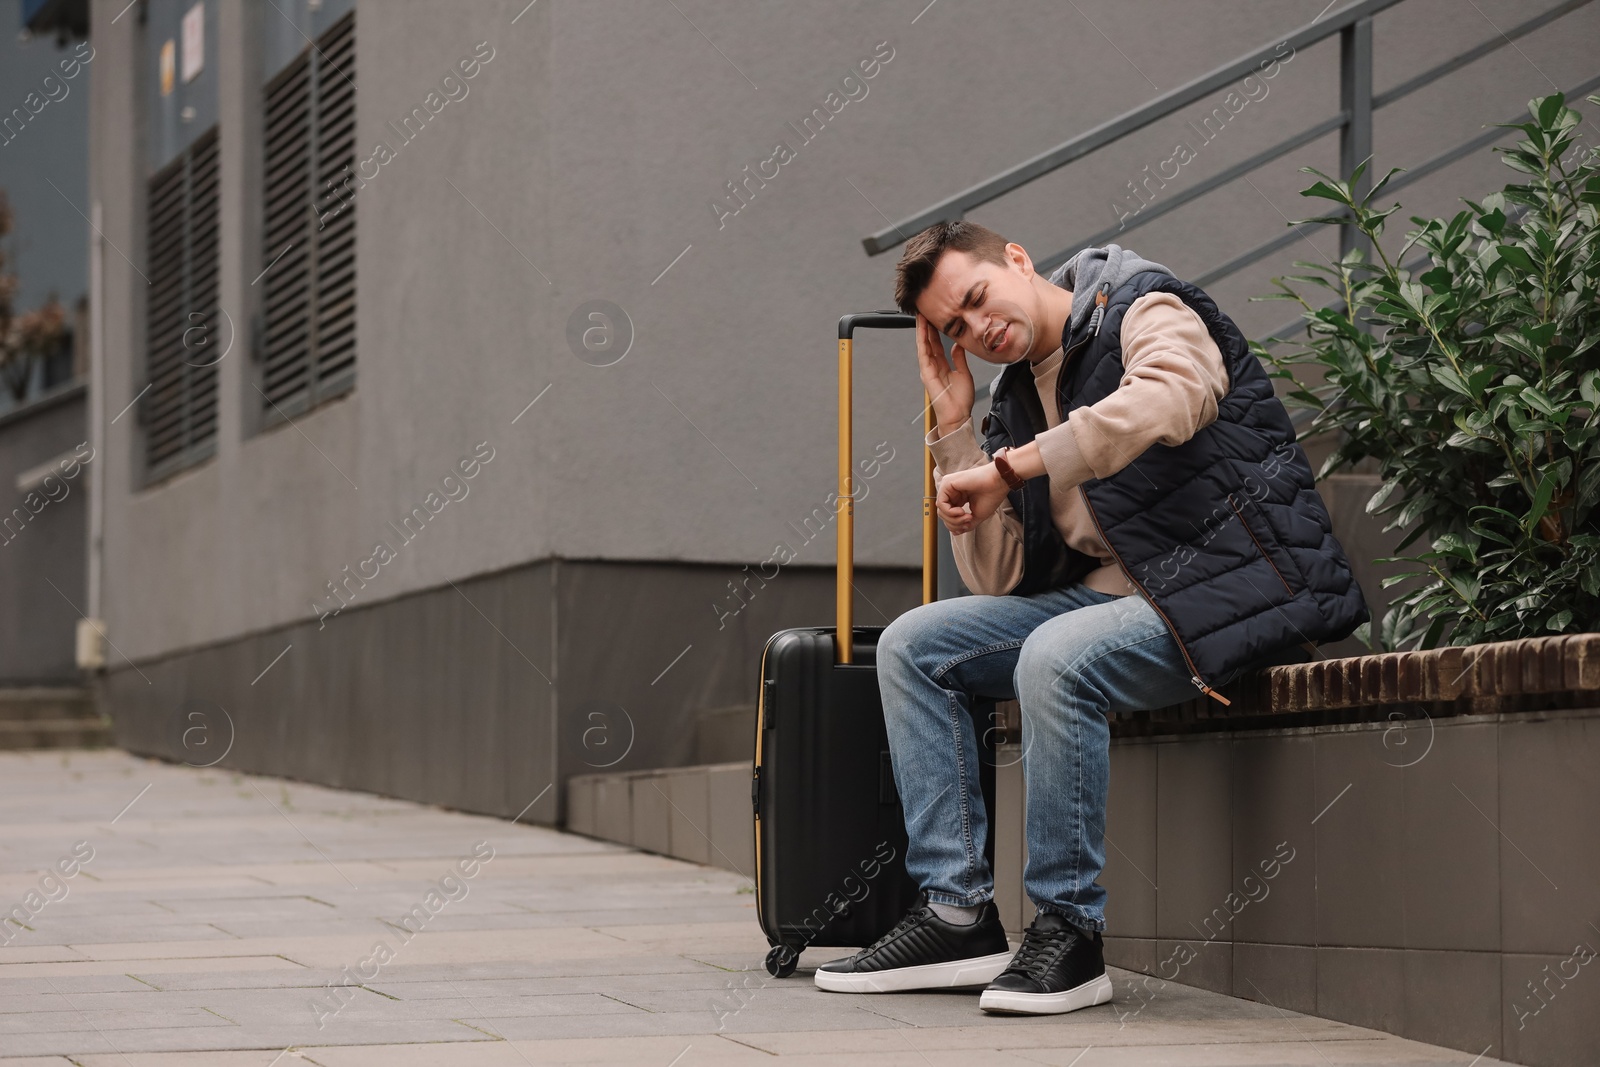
pixel 1059 968
pixel 923 952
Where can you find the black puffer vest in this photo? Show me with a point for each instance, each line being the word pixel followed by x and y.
pixel 1225 534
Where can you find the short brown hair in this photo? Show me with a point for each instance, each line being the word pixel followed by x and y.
pixel 915 269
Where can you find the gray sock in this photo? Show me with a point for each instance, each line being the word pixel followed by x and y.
pixel 956 914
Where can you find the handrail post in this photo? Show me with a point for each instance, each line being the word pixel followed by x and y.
pixel 1355 139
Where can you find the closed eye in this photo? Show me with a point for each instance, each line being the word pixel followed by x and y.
pixel 973 298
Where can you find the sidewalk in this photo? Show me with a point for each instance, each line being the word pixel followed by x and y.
pixel 214 919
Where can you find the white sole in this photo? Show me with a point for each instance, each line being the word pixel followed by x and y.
pixel 1095 991
pixel 979 970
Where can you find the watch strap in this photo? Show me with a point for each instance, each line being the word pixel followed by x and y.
pixel 1003 465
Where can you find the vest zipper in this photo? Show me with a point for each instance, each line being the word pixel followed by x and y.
pixel 1195 677
pixel 1095 319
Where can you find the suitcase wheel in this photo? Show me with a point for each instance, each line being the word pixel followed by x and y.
pixel 781 961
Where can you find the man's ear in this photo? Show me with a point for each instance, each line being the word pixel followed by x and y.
pixel 1019 257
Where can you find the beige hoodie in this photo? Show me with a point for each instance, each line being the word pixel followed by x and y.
pixel 1173 377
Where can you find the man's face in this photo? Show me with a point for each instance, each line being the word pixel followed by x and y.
pixel 990 310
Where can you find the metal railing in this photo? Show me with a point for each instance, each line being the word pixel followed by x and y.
pixel 1357 103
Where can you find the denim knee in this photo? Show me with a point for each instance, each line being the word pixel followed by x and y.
pixel 907 636
pixel 1036 666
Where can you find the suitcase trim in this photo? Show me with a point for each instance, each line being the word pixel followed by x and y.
pixel 755 775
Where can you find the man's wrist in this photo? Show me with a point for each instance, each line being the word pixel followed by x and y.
pixel 1012 479
pixel 1026 461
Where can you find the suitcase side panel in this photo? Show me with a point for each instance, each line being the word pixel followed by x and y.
pixel 830 834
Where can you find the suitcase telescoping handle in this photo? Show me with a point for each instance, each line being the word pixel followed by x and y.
pixel 844 636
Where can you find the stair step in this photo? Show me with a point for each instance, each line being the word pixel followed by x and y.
pixel 34 703
pixel 94 732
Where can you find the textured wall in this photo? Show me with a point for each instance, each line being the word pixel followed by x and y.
pixel 42 543
pixel 581 165
pixel 1413 877
pixel 479 695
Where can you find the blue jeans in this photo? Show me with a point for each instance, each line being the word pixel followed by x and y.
pixel 1069 657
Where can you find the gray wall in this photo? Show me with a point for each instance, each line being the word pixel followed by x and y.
pixel 481 695
pixel 43 547
pixel 593 144
pixel 1435 876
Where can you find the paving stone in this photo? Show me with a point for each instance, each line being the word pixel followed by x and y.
pixel 638 1051
pixel 1274 1053
pixel 205 933
pixel 216 1058
pixel 69 1019
pixel 146 966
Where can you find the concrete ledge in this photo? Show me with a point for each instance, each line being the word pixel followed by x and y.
pixel 1413 876
pixel 1498 669
pixel 1532 674
pixel 700 814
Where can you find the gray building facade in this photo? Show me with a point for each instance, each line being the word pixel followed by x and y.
pixel 568 277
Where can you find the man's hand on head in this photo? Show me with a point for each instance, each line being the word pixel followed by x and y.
pixel 949 384
pixel 968 497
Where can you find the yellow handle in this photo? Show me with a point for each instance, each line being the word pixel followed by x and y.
pixel 845 512
pixel 845 505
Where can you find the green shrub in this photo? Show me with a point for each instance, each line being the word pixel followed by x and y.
pixel 1475 387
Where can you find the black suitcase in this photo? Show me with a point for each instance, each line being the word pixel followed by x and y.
pixel 830 836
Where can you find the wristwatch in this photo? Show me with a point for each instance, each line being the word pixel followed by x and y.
pixel 1001 464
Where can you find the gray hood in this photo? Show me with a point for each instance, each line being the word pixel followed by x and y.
pixel 1084 272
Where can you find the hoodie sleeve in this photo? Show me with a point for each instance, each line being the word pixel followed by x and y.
pixel 1173 377
pixel 989 556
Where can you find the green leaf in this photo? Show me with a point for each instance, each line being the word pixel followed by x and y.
pixel 1381 495
pixel 1517 343
pixel 1413 296
pixel 1538 401
pixel 1326 220
pixel 1326 192
pixel 1541 334
pixel 1451 544
pixel 1518 258
pixel 1589 388
pixel 1526 162
pixel 1437 278
pixel 1547 109
pixel 1354 177
pixel 1379 184
pixel 1447 377
pixel 1478 379
pixel 1541 502
pixel 1493 535
pixel 1420 500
